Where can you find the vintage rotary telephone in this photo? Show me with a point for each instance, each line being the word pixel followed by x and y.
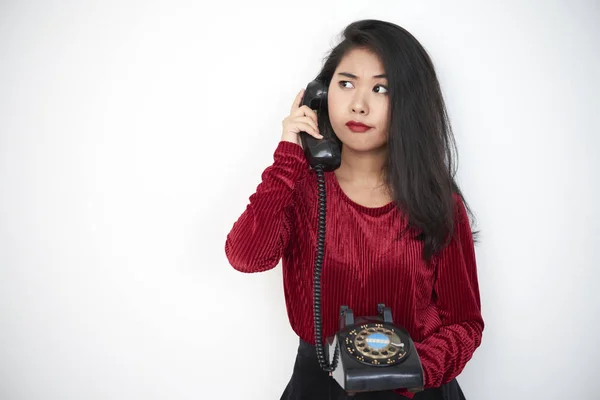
pixel 367 353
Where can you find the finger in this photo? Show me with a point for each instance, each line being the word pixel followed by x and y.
pixel 308 128
pixel 305 127
pixel 312 114
pixel 307 120
pixel 305 111
pixel 297 101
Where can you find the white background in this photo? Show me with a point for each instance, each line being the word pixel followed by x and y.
pixel 133 133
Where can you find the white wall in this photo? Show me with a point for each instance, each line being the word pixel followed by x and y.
pixel 132 135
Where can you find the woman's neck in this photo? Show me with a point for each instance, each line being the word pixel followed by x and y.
pixel 363 169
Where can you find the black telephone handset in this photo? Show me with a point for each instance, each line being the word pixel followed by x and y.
pixel 367 353
pixel 324 153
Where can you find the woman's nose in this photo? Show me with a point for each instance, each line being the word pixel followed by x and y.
pixel 359 105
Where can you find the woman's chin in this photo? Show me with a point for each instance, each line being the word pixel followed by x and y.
pixel 362 145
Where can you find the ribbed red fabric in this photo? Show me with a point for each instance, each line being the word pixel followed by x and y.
pixel 367 262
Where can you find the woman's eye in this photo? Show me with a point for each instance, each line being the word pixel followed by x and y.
pixel 345 84
pixel 382 89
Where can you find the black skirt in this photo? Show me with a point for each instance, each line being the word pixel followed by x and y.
pixel 310 382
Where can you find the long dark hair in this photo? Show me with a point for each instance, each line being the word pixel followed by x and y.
pixel 422 158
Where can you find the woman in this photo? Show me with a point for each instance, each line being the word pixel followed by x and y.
pixel 398 229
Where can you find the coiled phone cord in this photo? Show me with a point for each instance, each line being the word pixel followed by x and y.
pixel 320 253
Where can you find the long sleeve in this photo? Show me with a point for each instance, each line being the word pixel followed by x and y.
pixel 445 353
pixel 259 236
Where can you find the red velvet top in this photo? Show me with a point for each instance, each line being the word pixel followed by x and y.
pixel 366 262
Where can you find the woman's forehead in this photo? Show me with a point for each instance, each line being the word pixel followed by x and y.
pixel 361 63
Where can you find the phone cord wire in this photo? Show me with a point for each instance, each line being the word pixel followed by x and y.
pixel 320 253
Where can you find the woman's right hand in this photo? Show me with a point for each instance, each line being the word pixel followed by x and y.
pixel 301 119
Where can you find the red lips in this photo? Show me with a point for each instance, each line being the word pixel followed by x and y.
pixel 357 126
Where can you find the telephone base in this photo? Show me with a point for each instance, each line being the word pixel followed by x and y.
pixel 374 354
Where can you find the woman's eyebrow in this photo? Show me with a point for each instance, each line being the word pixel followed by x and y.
pixel 349 75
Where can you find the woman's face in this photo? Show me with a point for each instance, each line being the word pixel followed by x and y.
pixel 358 92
